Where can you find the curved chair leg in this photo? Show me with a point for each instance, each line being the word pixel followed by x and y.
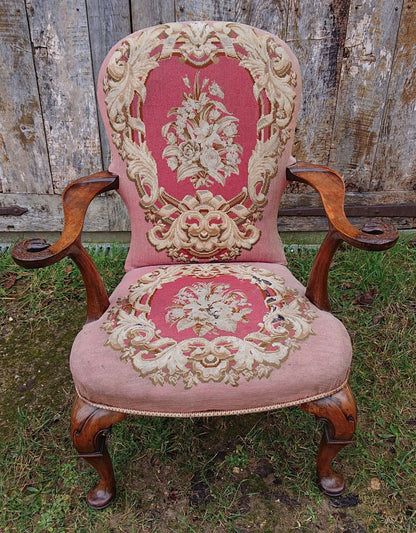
pixel 339 413
pixel 89 429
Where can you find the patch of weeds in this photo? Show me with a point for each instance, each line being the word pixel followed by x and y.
pixel 239 458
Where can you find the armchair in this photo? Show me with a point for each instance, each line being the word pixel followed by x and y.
pixel 207 320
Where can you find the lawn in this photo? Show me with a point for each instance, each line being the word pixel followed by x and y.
pixel 244 474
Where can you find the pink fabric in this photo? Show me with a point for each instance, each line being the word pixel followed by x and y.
pixel 164 91
pixel 161 300
pixel 320 365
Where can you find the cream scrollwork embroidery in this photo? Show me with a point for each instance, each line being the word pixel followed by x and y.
pixel 201 225
pixel 210 307
pixel 201 148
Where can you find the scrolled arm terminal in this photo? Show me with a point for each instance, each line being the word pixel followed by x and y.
pixel 373 235
pixel 37 253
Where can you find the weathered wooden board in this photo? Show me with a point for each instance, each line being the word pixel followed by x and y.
pixel 395 161
pixel 45 213
pixel 108 22
pixel 64 71
pixel 208 9
pixel 117 214
pixel 107 213
pixel 146 13
pixel 307 199
pixel 316 32
pixel 24 165
pixel 270 15
pixel 369 46
pixel 321 223
pixel 119 219
pixel 358 59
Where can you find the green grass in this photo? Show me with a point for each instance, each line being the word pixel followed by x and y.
pixel 230 474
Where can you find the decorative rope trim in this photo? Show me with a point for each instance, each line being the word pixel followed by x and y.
pixel 194 414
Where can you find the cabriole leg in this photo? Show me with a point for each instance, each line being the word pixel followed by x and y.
pixel 339 413
pixel 89 429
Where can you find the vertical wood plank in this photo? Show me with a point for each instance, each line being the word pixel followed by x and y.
pixel 108 22
pixel 316 33
pixel 270 15
pixel 146 13
pixel 207 10
pixel 24 165
pixel 395 161
pixel 64 70
pixel 369 48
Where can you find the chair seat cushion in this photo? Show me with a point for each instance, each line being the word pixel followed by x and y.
pixel 209 339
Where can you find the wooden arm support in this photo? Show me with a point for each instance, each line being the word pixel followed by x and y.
pixel 37 253
pixel 374 235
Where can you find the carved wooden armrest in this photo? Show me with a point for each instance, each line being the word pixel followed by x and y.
pixel 373 235
pixel 37 253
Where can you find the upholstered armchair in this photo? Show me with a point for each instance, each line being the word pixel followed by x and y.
pixel 207 320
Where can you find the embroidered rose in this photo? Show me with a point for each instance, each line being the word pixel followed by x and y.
pixel 231 130
pixel 210 159
pixel 189 151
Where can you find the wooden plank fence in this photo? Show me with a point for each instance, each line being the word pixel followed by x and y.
pixel 358 60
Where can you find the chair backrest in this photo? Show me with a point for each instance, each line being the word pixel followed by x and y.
pixel 201 117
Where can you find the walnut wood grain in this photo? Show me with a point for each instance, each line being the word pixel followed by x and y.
pixel 339 413
pixel 331 188
pixel 374 235
pixel 97 298
pixel 89 428
pixel 37 253
pixel 317 287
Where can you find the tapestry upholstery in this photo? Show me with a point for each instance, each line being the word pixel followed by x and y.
pixel 213 338
pixel 201 117
pixel 207 320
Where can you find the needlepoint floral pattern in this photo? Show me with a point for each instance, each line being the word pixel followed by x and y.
pixel 209 306
pixel 201 138
pixel 203 143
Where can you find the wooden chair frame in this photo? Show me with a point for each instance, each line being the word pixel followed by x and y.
pixel 91 425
